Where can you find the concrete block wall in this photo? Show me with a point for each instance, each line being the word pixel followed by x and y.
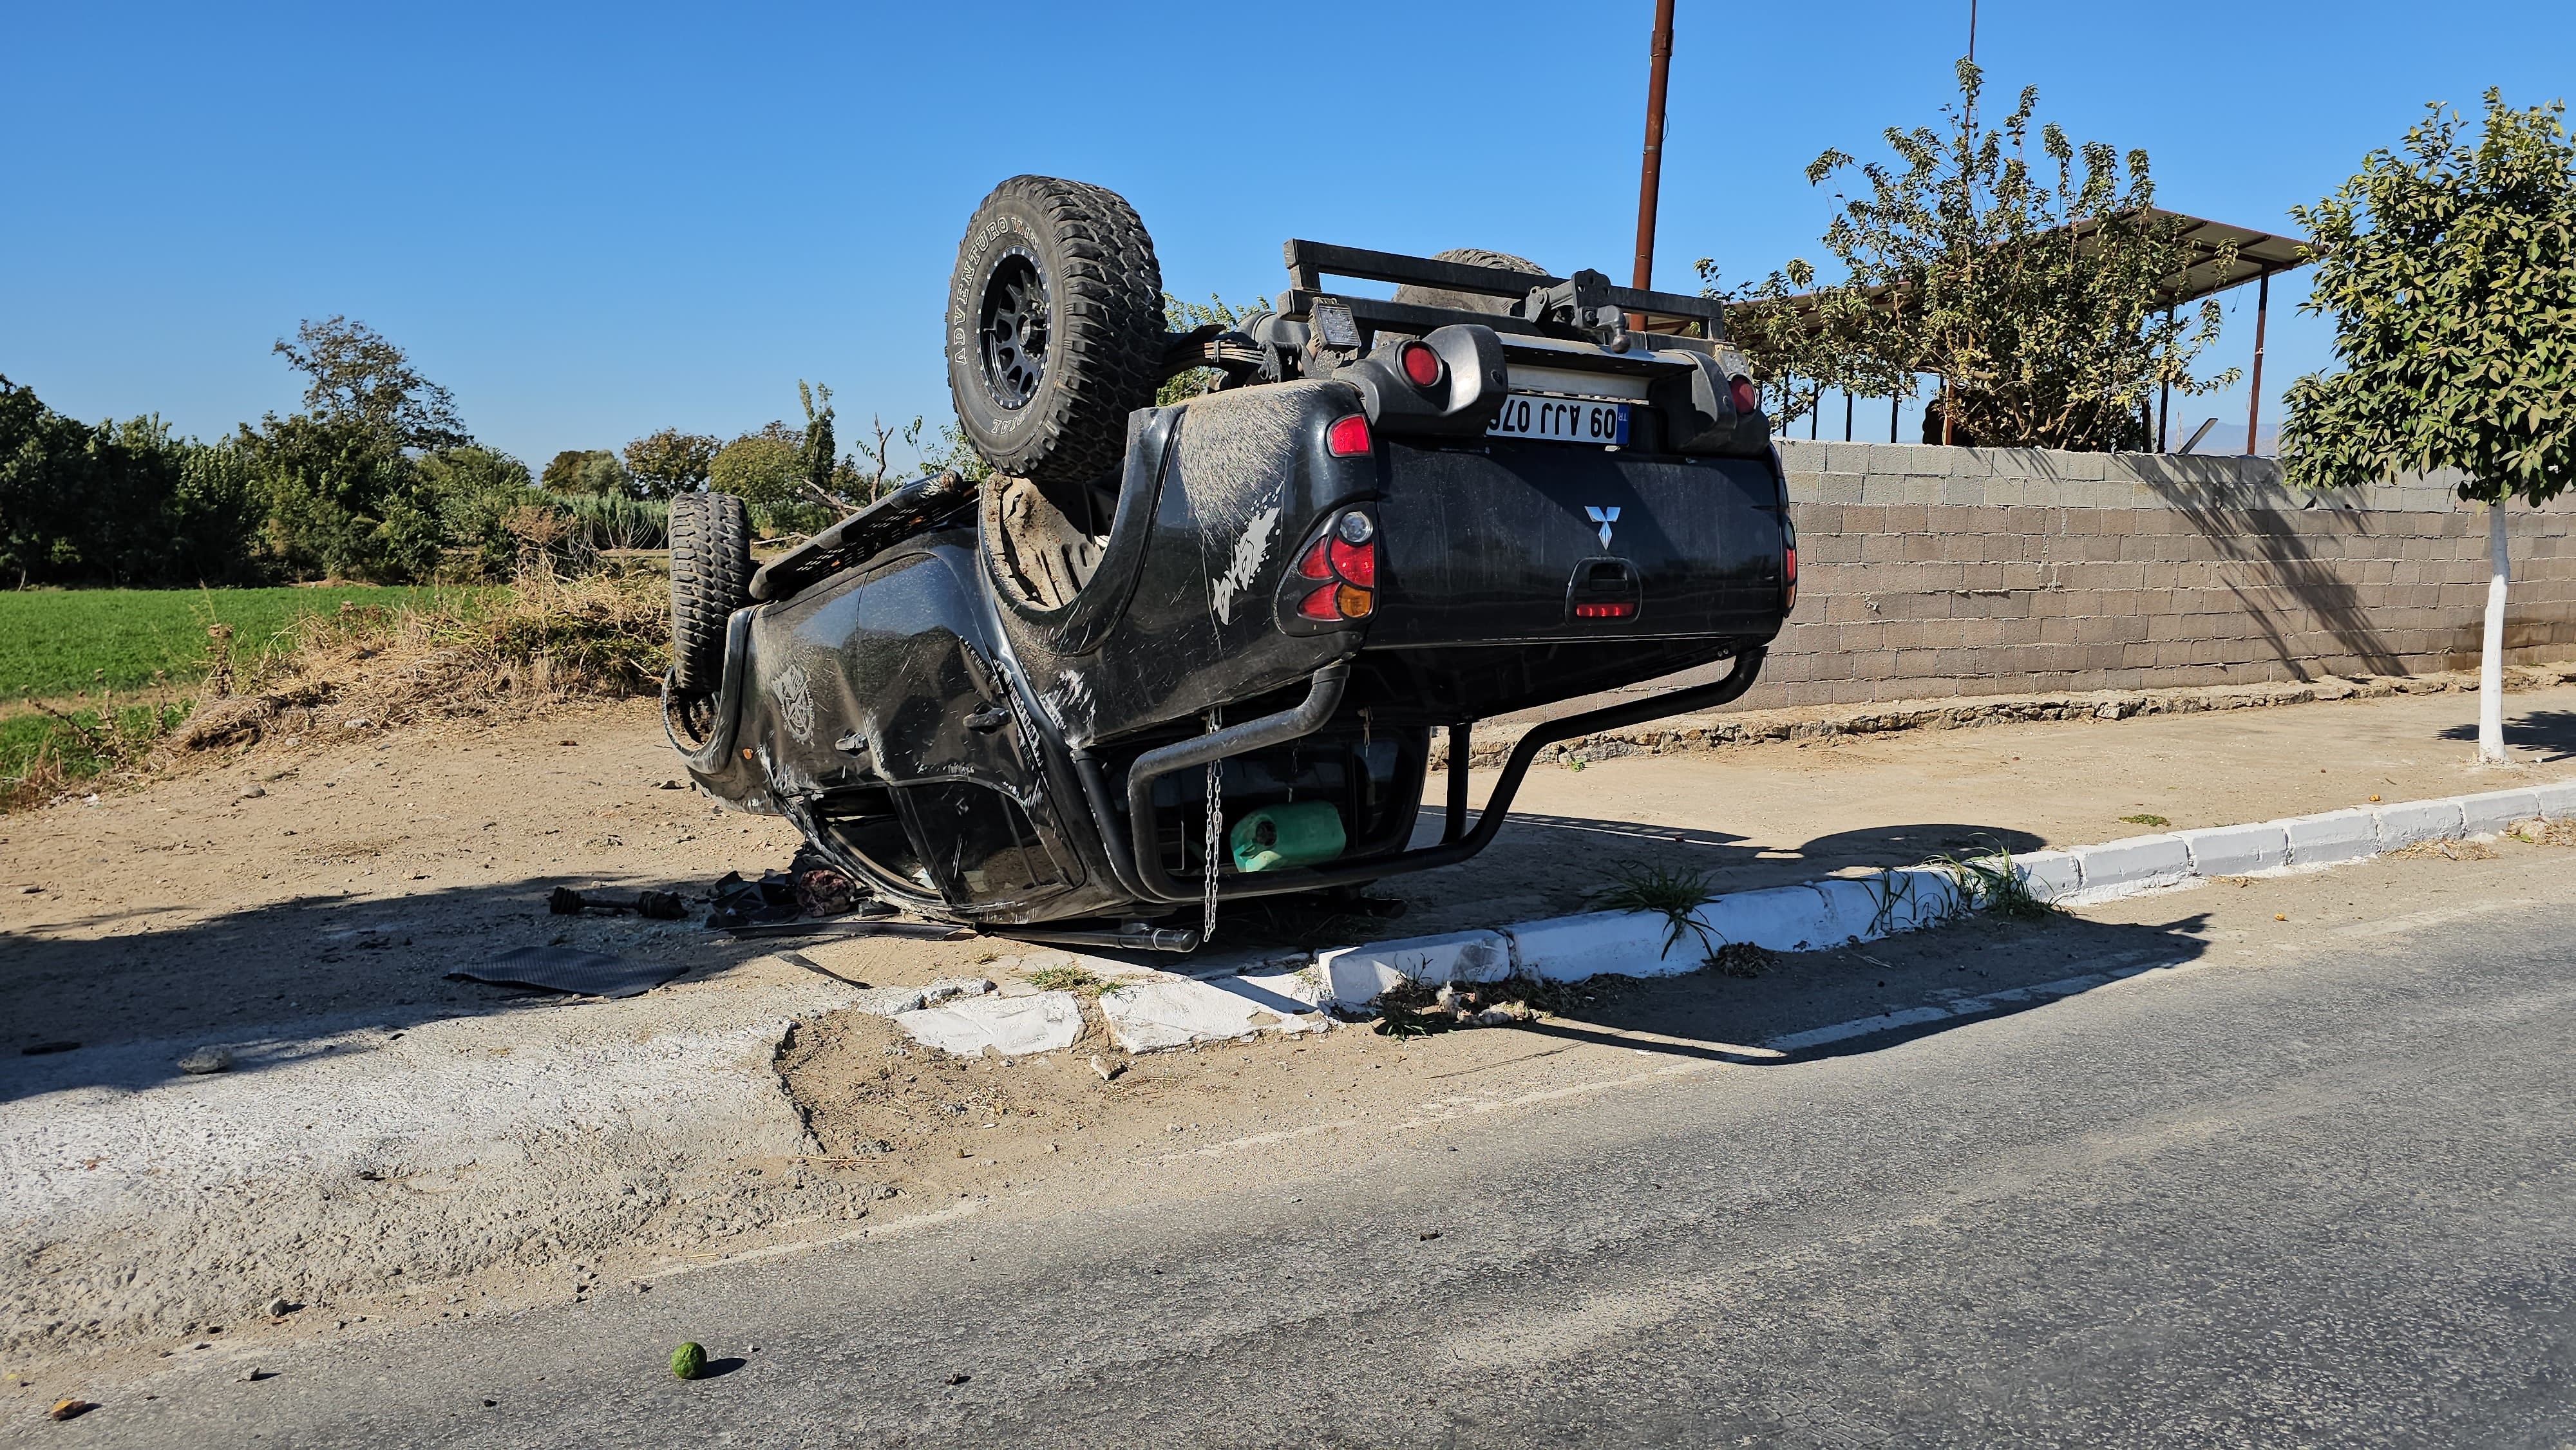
pixel 1929 571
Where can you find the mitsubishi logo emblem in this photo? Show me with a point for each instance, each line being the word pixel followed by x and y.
pixel 1605 518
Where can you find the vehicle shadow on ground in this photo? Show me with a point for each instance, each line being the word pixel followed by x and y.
pixel 2552 733
pixel 1869 997
pixel 302 968
pixel 1543 865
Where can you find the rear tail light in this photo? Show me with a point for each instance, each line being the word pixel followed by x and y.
pixel 1748 398
pixel 1788 566
pixel 1348 437
pixel 1356 563
pixel 1606 609
pixel 1342 566
pixel 1421 364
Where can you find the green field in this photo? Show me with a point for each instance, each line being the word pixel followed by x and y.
pixel 55 643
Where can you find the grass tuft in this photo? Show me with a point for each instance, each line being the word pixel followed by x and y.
pixel 1671 892
pixel 1066 979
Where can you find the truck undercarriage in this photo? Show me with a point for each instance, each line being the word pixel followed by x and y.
pixel 1120 682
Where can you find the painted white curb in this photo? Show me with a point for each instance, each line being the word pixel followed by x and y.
pixel 1842 910
pixel 1166 1012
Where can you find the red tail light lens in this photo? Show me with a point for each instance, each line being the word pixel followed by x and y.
pixel 1789 567
pixel 1318 603
pixel 1607 609
pixel 1421 364
pixel 1356 563
pixel 1348 437
pixel 1316 564
pixel 1748 398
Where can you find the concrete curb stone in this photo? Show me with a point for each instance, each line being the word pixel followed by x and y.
pixel 2131 864
pixel 2410 823
pixel 2237 850
pixel 2331 837
pixel 2489 812
pixel 1358 974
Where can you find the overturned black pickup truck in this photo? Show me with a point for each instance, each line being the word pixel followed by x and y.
pixel 1169 657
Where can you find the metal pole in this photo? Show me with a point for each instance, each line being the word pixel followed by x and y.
pixel 1894 402
pixel 1650 179
pixel 1972 32
pixel 1847 415
pixel 2164 405
pixel 2254 403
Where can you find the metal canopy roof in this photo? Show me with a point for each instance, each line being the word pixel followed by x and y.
pixel 2257 254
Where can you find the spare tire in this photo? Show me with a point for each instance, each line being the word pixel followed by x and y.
pixel 1055 328
pixel 710 579
pixel 1469 301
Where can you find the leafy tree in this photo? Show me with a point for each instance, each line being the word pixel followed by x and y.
pixel 586 473
pixel 2027 284
pixel 821 456
pixel 762 467
pixel 341 495
pixel 355 378
pixel 120 503
pixel 475 492
pixel 668 462
pixel 2450 272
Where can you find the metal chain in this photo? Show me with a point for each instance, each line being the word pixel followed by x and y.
pixel 1215 837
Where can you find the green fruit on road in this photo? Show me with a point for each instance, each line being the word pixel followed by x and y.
pixel 689 1360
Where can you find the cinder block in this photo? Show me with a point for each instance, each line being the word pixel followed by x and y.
pixel 2408 822
pixel 2557 799
pixel 2134 864
pixel 2331 836
pixel 1354 976
pixel 2489 812
pixel 2237 850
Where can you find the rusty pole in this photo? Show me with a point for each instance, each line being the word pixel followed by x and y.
pixel 2164 403
pixel 2254 402
pixel 1650 180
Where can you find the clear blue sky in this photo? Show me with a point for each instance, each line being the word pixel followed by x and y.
pixel 592 221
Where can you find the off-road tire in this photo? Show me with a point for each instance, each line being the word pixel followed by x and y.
pixel 1469 301
pixel 710 579
pixel 1058 414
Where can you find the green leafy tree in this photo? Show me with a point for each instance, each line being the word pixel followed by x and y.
pixel 821 450
pixel 475 492
pixel 340 494
pixel 356 379
pixel 2029 284
pixel 118 503
pixel 2449 269
pixel 586 473
pixel 668 462
pixel 763 467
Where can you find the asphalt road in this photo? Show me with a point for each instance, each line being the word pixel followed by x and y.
pixel 2327 1201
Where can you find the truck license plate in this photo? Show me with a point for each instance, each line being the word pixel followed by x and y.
pixel 1562 420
